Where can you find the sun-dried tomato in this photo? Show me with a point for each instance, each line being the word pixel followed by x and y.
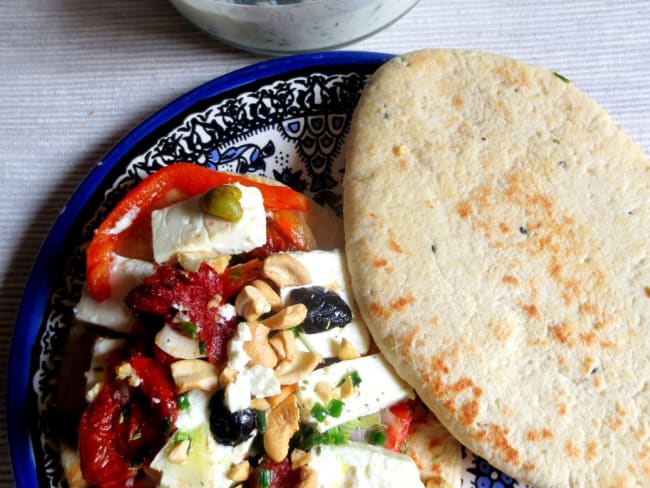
pixel 126 425
pixel 189 302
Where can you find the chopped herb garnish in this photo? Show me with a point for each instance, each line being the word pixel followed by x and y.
pixel 334 436
pixel 236 273
pixel 335 407
pixel 564 79
pixel 202 349
pixel 319 412
pixel 182 436
pixel 189 329
pixel 356 379
pixel 377 437
pixel 183 402
pixel 135 436
pixel 264 478
pixel 261 421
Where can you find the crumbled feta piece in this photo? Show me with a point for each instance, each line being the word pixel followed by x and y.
pixel 238 393
pixel 263 381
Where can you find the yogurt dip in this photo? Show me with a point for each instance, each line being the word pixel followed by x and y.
pixel 286 26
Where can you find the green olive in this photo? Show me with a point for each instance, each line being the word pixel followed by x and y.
pixel 223 202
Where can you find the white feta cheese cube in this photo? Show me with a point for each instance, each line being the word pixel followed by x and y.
pixel 380 387
pixel 185 228
pixel 328 269
pixel 356 465
pixel 112 313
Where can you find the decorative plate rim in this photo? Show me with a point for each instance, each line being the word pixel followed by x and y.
pixel 39 284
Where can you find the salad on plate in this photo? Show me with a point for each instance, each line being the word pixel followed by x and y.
pixel 227 350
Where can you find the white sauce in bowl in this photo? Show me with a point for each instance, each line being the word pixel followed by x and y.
pixel 285 26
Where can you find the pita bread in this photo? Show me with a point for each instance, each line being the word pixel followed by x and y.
pixel 497 230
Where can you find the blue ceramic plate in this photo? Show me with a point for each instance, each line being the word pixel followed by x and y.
pixel 286 119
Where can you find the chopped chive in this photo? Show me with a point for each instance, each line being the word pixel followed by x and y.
pixel 182 436
pixel 377 437
pixel 319 412
pixel 264 478
pixel 135 436
pixel 335 436
pixel 564 79
pixel 189 329
pixel 261 421
pixel 236 273
pixel 356 379
pixel 202 349
pixel 335 407
pixel 183 402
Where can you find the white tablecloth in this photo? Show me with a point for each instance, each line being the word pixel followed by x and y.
pixel 76 75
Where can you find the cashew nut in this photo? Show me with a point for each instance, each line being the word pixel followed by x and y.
pixel 258 348
pixel 194 374
pixel 285 391
pixel 346 350
pixel 260 404
pixel 347 388
pixel 269 293
pixel 299 458
pixel 288 317
pixel 239 472
pixel 285 270
pixel 284 344
pixel 281 425
pixel 251 303
pixel 289 372
pixel 227 376
pixel 308 478
pixel 178 453
pixel 191 261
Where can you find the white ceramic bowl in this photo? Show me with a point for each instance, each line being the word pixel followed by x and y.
pixel 291 26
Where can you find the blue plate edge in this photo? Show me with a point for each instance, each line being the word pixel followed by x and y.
pixel 39 283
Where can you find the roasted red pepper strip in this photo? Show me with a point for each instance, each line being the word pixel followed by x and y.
pixel 173 183
pixel 123 426
pixel 397 420
pixel 237 277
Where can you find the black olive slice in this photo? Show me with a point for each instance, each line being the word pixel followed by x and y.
pixel 230 428
pixel 325 309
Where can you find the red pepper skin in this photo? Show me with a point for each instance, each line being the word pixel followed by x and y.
pixel 397 419
pixel 170 184
pixel 286 230
pixel 124 426
pixel 234 278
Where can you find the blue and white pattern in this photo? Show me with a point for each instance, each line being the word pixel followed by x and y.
pixel 291 128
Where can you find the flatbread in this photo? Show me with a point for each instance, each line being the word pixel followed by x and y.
pixel 497 228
